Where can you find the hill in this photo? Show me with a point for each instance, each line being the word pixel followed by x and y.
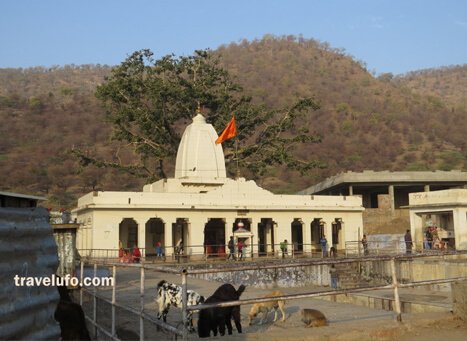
pixel 409 122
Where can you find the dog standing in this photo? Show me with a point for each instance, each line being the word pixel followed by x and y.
pixel 313 318
pixel 265 307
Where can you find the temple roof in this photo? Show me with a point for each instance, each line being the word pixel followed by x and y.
pixel 198 155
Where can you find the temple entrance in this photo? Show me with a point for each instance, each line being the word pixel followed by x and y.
pixel 297 236
pixel 317 231
pixel 265 237
pixel 128 233
pixel 214 237
pixel 180 236
pixel 336 232
pixel 154 234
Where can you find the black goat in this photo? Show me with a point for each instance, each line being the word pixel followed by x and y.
pixel 212 319
pixel 71 318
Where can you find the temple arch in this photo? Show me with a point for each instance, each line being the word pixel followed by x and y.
pixel 214 237
pixel 297 235
pixel 128 233
pixel 154 233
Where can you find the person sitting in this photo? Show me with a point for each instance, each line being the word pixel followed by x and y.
pixel 127 257
pixel 120 254
pixel 136 254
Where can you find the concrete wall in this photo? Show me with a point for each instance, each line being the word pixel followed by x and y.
pixel 380 220
pixel 372 273
pixel 459 300
pixel 27 249
pixel 273 278
pixel 430 268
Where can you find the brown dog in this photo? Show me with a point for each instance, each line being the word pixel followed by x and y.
pixel 265 307
pixel 313 318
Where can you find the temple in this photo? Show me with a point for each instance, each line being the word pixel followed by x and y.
pixel 200 208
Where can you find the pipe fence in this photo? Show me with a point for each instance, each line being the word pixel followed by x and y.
pixel 174 332
pixel 213 253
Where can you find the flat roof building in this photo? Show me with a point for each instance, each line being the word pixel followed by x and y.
pixel 385 195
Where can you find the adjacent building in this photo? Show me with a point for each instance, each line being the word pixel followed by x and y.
pixel 385 195
pixel 447 210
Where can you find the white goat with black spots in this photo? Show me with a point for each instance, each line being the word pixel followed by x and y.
pixel 171 294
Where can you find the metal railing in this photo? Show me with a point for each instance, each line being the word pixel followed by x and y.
pixel 264 251
pixel 185 273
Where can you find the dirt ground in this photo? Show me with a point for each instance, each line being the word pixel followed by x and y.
pixel 346 321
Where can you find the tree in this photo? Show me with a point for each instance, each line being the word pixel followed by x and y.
pixel 149 102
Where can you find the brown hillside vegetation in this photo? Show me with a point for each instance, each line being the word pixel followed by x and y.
pixel 411 122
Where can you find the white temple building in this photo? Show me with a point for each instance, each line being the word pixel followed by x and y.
pixel 201 208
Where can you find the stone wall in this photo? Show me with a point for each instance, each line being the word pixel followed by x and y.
pixel 272 278
pixel 369 273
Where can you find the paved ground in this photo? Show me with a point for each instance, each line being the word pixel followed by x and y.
pixel 347 321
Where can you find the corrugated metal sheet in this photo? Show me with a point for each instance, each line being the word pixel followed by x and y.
pixel 27 248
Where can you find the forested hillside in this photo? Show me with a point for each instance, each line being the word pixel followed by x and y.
pixel 410 122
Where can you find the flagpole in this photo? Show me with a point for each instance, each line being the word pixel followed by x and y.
pixel 236 156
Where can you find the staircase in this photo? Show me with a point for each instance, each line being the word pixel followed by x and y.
pixel 349 276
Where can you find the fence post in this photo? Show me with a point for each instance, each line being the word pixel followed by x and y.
pixel 184 304
pixel 81 281
pixel 396 290
pixel 141 320
pixel 114 275
pixel 94 309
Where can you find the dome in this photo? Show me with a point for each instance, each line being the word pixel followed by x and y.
pixel 198 155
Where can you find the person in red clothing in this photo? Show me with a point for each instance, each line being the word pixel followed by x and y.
pixel 240 246
pixel 136 254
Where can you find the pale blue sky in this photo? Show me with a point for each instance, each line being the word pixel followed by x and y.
pixel 389 35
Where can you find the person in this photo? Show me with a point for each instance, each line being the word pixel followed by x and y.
pixel 334 276
pixel 324 245
pixel 408 242
pixel 231 246
pixel 158 250
pixel 365 245
pixel 240 249
pixel 333 252
pixel 127 257
pixel 136 254
pixel 428 240
pixel 283 247
pixel 179 250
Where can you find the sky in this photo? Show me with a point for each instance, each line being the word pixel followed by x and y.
pixel 394 36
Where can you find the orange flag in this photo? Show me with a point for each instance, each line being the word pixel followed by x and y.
pixel 229 132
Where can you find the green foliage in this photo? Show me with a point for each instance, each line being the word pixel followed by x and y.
pixel 417 167
pixel 148 101
pixel 35 104
pixel 451 160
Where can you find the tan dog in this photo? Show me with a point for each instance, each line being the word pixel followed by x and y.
pixel 265 307
pixel 313 318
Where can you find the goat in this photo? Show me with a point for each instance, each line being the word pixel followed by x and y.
pixel 171 294
pixel 212 319
pixel 71 317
